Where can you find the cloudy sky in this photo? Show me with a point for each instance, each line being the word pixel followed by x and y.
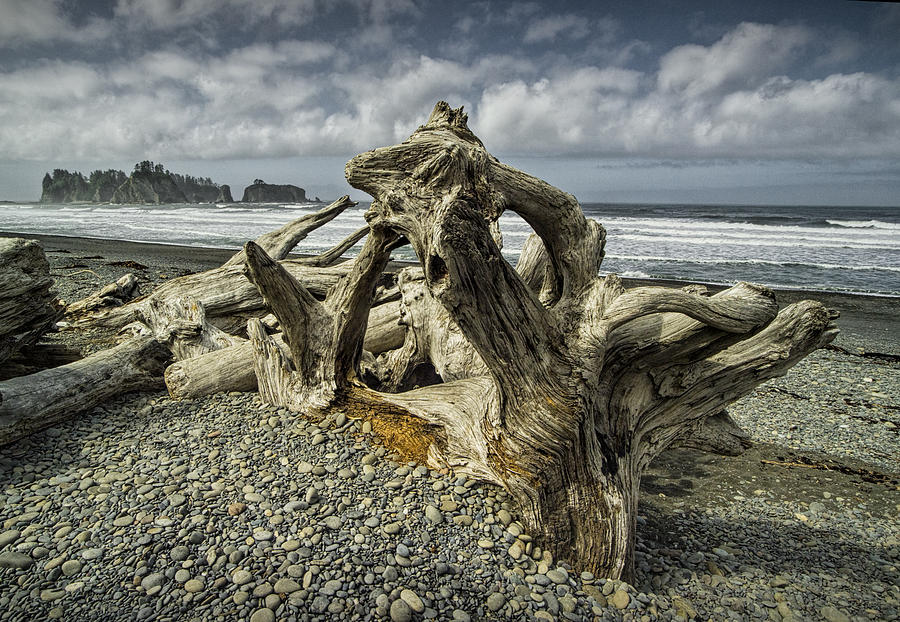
pixel 640 101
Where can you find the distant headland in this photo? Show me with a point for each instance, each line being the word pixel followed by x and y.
pixel 152 183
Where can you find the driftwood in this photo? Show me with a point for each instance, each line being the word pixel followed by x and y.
pixel 112 295
pixel 583 382
pixel 181 324
pixel 228 369
pixel 228 299
pixel 434 350
pixel 38 357
pixel 231 368
pixel 29 403
pixel 166 324
pixel 718 434
pixel 27 308
pixel 202 313
pixel 282 241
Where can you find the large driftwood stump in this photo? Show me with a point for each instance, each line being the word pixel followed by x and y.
pixel 27 308
pixel 579 383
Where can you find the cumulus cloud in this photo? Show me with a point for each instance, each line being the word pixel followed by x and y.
pixel 571 111
pixel 860 111
pixel 733 98
pixel 175 13
pixel 747 54
pixel 728 99
pixel 44 21
pixel 162 14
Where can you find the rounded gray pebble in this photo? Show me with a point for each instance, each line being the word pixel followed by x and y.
pixel 400 611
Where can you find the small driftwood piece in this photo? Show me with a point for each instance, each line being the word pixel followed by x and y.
pixel 112 295
pixel 27 308
pixel 584 382
pixel 40 400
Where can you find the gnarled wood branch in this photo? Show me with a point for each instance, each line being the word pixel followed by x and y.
pixel 280 242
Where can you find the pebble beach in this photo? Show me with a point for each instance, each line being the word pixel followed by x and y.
pixel 225 508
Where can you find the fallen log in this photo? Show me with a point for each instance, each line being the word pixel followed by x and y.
pixel 228 369
pixel 30 403
pixel 38 357
pixel 27 307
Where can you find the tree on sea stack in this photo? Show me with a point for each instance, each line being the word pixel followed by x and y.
pixel 573 384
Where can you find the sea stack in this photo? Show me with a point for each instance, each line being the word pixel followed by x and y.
pixel 224 194
pixel 261 192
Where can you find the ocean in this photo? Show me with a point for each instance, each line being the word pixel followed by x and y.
pixel 842 249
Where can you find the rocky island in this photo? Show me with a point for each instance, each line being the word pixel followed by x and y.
pixel 61 186
pixel 261 192
pixel 152 183
pixel 148 183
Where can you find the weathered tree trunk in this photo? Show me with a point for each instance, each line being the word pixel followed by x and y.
pixel 583 382
pixel 27 308
pixel 30 403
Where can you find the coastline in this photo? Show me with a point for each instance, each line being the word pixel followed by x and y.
pixel 868 321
